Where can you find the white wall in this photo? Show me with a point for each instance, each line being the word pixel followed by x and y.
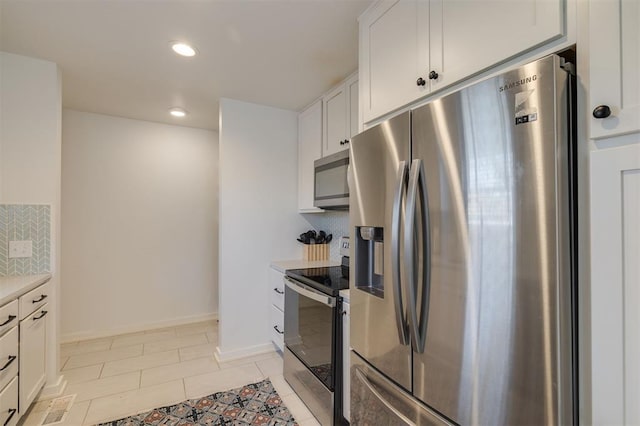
pixel 139 219
pixel 30 109
pixel 258 217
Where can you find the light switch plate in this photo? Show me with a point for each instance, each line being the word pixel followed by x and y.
pixel 20 249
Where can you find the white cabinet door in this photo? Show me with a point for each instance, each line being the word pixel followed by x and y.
pixel 309 150
pixel 394 53
pixel 346 365
pixel 9 414
pixel 354 102
pixel 614 65
pixel 615 285
pixel 335 121
pixel 470 36
pixel 33 338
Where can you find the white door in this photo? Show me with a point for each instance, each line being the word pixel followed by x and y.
pixel 309 150
pixel 394 54
pixel 615 285
pixel 470 36
pixel 614 66
pixel 335 121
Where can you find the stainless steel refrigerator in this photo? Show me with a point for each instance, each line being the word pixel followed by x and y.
pixel 463 280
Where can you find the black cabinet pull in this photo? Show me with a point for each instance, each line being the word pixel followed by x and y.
pixel 11 359
pixel 12 412
pixel 11 318
pixel 601 111
pixel 275 327
pixel 433 75
pixel 346 141
pixel 41 316
pixel 42 297
pixel 341 142
pixel 277 290
pixel 421 81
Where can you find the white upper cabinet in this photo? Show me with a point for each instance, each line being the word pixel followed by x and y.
pixel 309 150
pixel 341 120
pixel 394 55
pixel 470 36
pixel 411 48
pixel 335 124
pixel 614 67
pixel 352 89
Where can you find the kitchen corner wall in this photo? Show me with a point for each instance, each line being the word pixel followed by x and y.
pixel 25 223
pixel 258 218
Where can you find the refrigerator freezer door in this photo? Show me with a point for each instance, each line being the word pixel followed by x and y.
pixel 378 327
pixel 498 342
pixel 377 401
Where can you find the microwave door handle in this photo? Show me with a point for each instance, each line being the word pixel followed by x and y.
pixel 310 293
pixel 396 220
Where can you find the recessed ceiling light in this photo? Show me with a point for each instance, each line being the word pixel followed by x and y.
pixel 177 112
pixel 183 49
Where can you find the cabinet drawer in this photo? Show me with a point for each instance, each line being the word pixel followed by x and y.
pixel 8 316
pixel 276 284
pixel 9 404
pixel 8 357
pixel 277 327
pixel 34 300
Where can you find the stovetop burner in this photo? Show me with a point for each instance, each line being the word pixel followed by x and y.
pixel 329 280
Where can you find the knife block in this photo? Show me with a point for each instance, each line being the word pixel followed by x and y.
pixel 315 252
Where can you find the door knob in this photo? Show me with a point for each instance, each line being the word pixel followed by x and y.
pixel 602 111
pixel 433 75
pixel 421 81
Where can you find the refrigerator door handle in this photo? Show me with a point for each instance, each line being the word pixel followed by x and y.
pixel 417 192
pixel 396 220
pixel 365 381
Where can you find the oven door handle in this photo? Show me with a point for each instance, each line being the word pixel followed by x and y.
pixel 310 293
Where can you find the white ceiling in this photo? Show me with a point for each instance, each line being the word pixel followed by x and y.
pixel 116 59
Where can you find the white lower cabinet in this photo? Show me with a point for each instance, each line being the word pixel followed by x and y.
pixel 276 312
pixel 9 404
pixel 33 339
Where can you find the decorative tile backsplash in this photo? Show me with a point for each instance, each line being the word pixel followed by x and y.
pixel 22 222
pixel 332 222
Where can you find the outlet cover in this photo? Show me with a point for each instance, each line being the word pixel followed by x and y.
pixel 20 249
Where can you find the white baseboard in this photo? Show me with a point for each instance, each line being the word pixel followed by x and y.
pixel 94 334
pixel 224 356
pixel 53 390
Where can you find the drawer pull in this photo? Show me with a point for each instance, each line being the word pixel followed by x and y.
pixel 41 316
pixel 9 319
pixel 277 290
pixel 11 359
pixel 12 412
pixel 275 327
pixel 40 299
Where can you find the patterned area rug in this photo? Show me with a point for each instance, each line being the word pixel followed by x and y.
pixel 254 404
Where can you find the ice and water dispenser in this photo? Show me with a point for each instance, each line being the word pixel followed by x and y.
pixel 369 259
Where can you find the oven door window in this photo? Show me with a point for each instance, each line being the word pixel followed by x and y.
pixel 309 334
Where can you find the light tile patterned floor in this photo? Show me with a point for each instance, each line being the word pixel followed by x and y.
pixel 123 375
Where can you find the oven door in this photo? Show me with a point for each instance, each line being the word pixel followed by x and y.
pixel 310 327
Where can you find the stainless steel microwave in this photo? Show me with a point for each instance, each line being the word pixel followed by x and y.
pixel 331 189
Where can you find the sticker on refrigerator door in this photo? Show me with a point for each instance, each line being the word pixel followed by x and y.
pixel 526 111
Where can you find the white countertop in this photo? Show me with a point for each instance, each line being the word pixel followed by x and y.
pixel 15 286
pixel 283 265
